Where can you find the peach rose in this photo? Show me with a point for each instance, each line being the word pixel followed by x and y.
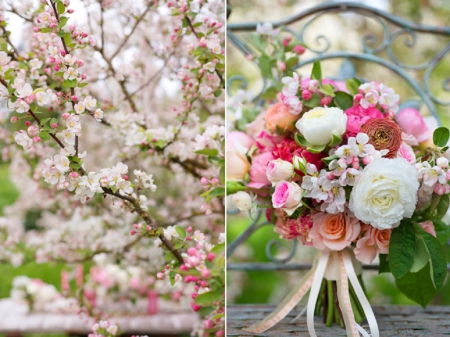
pixel 278 115
pixel 237 163
pixel 334 231
pixel 373 241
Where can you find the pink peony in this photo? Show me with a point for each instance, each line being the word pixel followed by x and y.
pixel 258 170
pixel 334 231
pixel 287 196
pixel 357 116
pixel 406 151
pixel 241 137
pixel 373 241
pixel 412 122
pixel 288 148
pixel 294 228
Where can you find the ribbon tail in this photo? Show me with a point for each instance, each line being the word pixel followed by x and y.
pixel 317 281
pixel 370 316
pixel 344 298
pixel 289 302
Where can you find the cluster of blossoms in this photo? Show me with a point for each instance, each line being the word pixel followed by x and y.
pixel 104 329
pixel 337 175
pixel 125 73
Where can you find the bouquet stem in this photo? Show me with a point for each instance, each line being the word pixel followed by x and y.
pixel 328 303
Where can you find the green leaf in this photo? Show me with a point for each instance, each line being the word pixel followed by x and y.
pixel 205 311
pixel 210 297
pixel 178 245
pixel 45 30
pixel 316 73
pixel 313 102
pixel 218 249
pixel 70 83
pixel 352 85
pixel 222 175
pixel 208 152
pixel 442 207
pixel 315 148
pixel 328 160
pixel 181 231
pixel 442 232
pixel 60 7
pixel 217 93
pixel 217 192
pixel 384 264
pixel 343 100
pixel 328 89
pixel 44 135
pixel 421 256
pixel 441 136
pixel 438 261
pixel 336 140
pixel 401 249
pixel 291 62
pixel 271 93
pixel 258 42
pixel 435 200
pixel 418 286
pixel 234 186
pixel 265 64
pixel 300 140
pixel 62 21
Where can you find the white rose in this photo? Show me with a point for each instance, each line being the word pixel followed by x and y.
pixel 279 170
pixel 242 200
pixel 320 124
pixel 385 193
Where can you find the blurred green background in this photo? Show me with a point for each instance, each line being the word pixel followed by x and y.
pixel 346 32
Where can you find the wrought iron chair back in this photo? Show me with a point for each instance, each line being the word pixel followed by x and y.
pixel 417 77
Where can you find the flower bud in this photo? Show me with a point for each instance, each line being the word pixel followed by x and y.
pixel 279 170
pixel 242 200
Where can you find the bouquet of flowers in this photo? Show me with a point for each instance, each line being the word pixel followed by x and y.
pixel 339 168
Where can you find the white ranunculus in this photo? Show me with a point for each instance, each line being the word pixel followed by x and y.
pixel 385 193
pixel 279 170
pixel 320 124
pixel 242 200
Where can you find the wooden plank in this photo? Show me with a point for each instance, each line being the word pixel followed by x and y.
pixel 413 321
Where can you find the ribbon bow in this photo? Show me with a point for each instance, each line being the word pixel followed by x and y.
pixel 312 280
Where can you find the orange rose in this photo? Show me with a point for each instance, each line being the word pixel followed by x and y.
pixel 278 115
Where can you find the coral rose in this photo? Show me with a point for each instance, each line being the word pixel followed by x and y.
pixel 373 241
pixel 384 134
pixel 334 231
pixel 279 117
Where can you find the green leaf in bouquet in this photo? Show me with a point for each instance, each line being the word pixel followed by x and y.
pixel 265 64
pixel 258 42
pixel 384 264
pixel 352 85
pixel 217 192
pixel 343 100
pixel 205 311
pixel 271 93
pixel 328 89
pixel 442 231
pixel 316 73
pixel 442 207
pixel 315 148
pixel 300 140
pixel 441 136
pixel 401 249
pixel 234 186
pixel 313 102
pixel 418 286
pixel 209 297
pixel 328 160
pixel 435 200
pixel 336 140
pixel 222 175
pixel 421 256
pixel 208 152
pixel 438 261
pixel 181 232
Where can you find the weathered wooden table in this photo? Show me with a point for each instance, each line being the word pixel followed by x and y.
pixel 16 321
pixel 413 321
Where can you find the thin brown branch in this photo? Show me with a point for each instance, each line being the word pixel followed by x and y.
pixel 6 35
pixel 14 11
pixel 102 28
pixel 127 37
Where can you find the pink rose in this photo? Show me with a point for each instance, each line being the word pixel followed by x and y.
pixel 258 170
pixel 406 151
pixel 278 117
pixel 241 137
pixel 279 170
pixel 373 241
pixel 357 116
pixel 254 128
pixel 334 231
pixel 287 196
pixel 429 227
pixel 412 122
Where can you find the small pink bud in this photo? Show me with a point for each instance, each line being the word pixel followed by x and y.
pixel 54 125
pixel 194 295
pixel 195 307
pixel 183 267
pixel 204 181
pixel 65 115
pixel 35 29
pixel 56 67
pixel 125 177
pixel 220 333
pixel 136 225
pixel 71 11
pixel 306 95
pixel 74 98
pixel 299 49
pixel 192 252
pixel 160 276
pixel 189 229
pixel 211 256
pixel 208 324
pixel 36 139
pixel 27 123
pixel 326 100
pixel 214 181
pixel 205 273
pixel 281 65
pixel 133 232
pixel 74 174
pixel 72 28
pixel 14 119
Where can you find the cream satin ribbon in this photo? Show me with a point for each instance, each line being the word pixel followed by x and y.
pixel 313 280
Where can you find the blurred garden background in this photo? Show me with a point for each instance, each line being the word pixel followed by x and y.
pixel 345 32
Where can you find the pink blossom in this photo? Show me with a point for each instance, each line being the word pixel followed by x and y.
pixel 412 122
pixel 428 226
